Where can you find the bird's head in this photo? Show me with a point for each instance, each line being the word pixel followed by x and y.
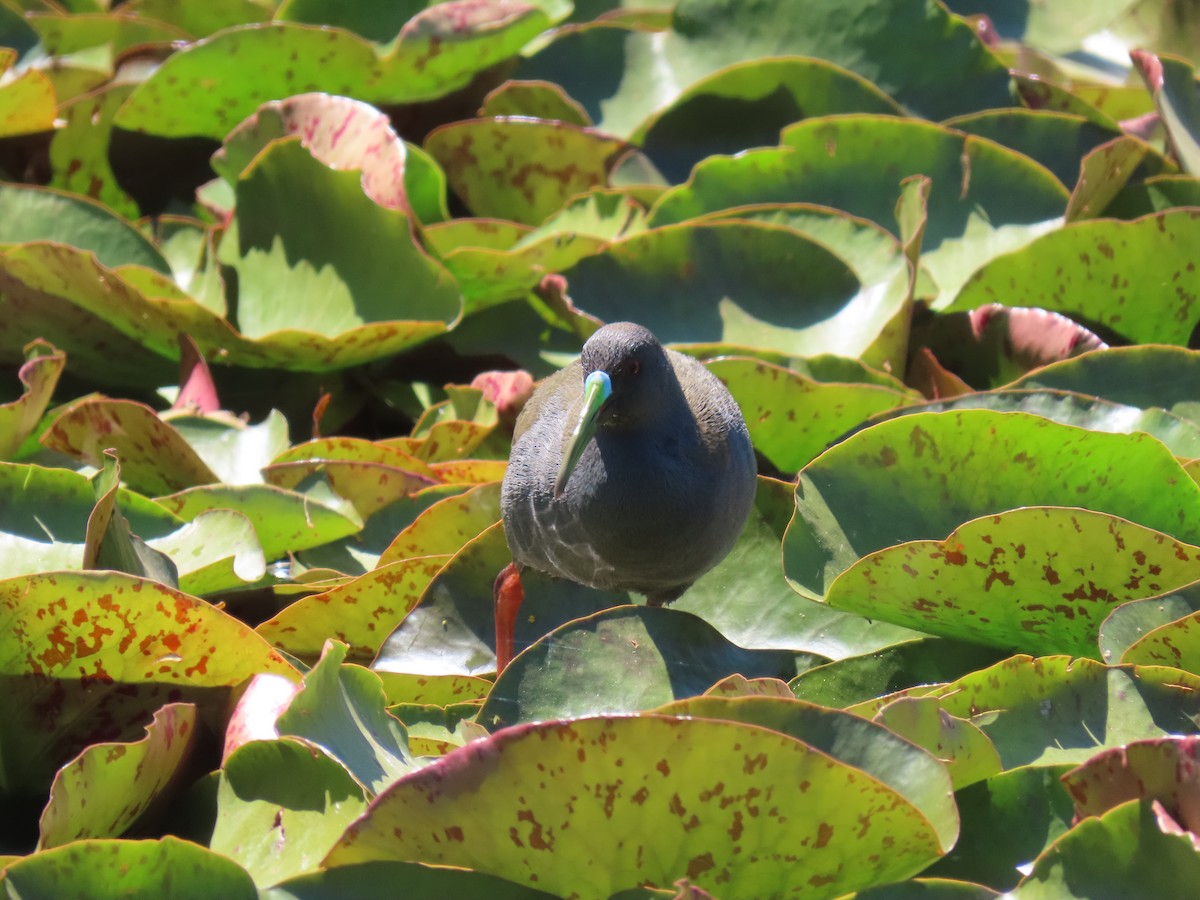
pixel 627 379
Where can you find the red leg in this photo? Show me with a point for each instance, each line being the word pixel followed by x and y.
pixel 508 595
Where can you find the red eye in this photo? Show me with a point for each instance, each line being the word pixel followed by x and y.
pixel 634 367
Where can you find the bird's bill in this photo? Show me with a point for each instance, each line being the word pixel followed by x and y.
pixel 597 388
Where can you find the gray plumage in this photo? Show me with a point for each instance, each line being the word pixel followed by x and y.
pixel 660 492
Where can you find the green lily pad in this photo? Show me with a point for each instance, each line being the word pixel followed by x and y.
pixel 1059 141
pixel 747 599
pixel 1035 579
pixel 791 418
pixel 1055 710
pixel 27 101
pixel 1104 175
pixel 446 525
pixel 233 450
pixel 281 805
pixel 1007 820
pixel 378 880
pixel 63 35
pixel 88 656
pixel 1130 621
pixel 349 449
pixel 155 458
pixel 40 214
pixel 622 76
pixel 942 469
pixel 626 659
pixel 79 150
pixel 886 756
pixel 285 521
pixel 754 100
pixel 122 326
pixel 918 661
pixel 1084 269
pixel 362 551
pixel 1180 435
pixel 330 287
pixel 103 791
pixel 216 551
pixel 370 487
pixel 733 282
pixel 341 709
pixel 210 86
pixel 434 690
pixel 535 100
pixel 1147 376
pixel 109 869
pixel 1175 644
pixel 361 612
pixel 521 169
pixel 1123 853
pixel 54 504
pixel 985 198
pixel 201 21
pixel 694 793
pixel 485 234
pixel 968 754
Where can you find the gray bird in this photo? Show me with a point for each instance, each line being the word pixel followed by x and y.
pixel 631 470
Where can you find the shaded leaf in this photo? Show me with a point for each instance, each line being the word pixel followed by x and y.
pixel 104 790
pixel 109 544
pixel 856 679
pixel 1172 81
pixel 1122 853
pixel 1007 820
pixel 746 597
pixel 622 660
pixel 40 214
pixel 378 880
pixel 1130 621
